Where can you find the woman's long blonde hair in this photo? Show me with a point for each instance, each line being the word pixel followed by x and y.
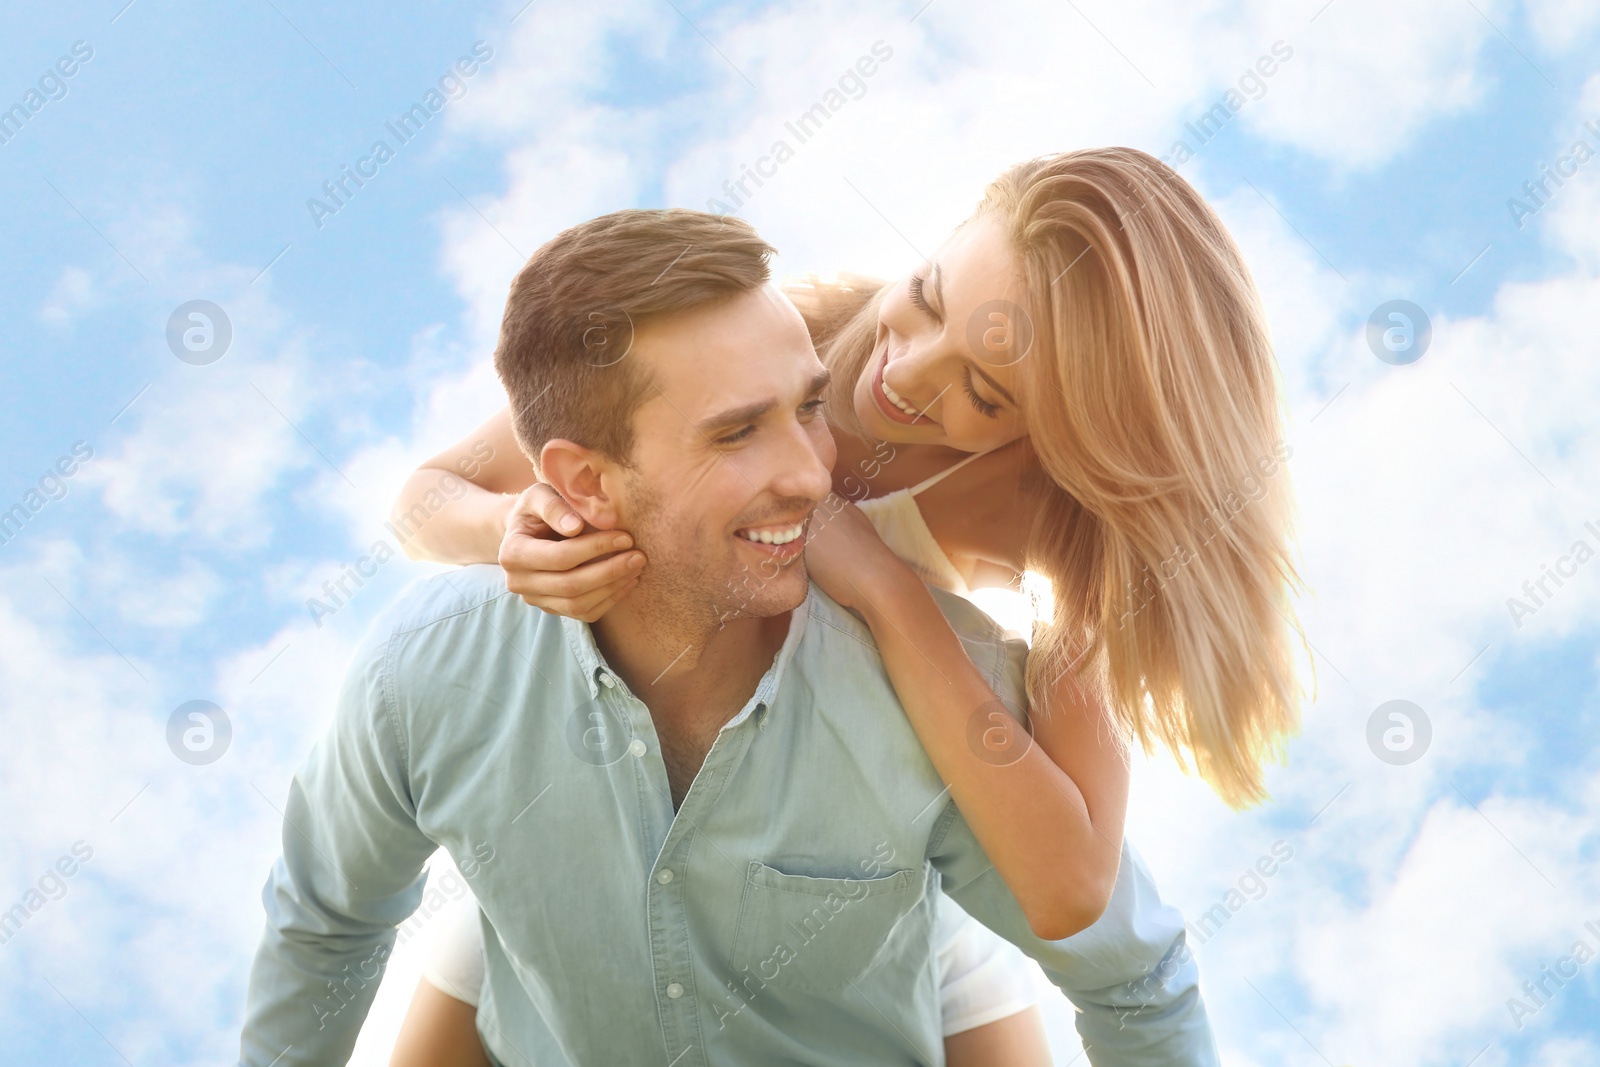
pixel 1164 516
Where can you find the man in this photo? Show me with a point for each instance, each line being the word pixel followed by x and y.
pixel 701 830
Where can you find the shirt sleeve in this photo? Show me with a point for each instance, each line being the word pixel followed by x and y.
pixel 350 872
pixel 1131 975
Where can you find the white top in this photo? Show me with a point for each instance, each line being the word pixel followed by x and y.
pixel 899 521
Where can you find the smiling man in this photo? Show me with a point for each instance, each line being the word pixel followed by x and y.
pixel 701 830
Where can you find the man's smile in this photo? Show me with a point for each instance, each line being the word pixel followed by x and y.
pixel 783 541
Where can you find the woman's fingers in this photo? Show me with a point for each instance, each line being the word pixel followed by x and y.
pixel 549 505
pixel 588 607
pixel 568 559
pixel 580 577
pixel 592 607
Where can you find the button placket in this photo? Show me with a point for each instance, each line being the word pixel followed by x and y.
pixel 674 963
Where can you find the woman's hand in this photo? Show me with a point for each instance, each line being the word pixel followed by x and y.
pixel 581 576
pixel 845 555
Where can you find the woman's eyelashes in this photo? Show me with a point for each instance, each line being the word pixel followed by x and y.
pixel 920 299
pixel 985 407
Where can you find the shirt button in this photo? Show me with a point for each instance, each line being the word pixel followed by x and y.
pixel 607 681
pixel 664 875
pixel 674 990
pixel 636 747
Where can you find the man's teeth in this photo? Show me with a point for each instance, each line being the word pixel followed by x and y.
pixel 897 400
pixel 774 537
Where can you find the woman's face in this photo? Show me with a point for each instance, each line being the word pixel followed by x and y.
pixel 950 337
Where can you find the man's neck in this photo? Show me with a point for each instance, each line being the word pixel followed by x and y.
pixel 688 672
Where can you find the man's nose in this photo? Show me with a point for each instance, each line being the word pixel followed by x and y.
pixel 805 466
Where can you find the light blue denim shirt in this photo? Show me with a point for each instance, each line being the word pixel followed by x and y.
pixel 783 915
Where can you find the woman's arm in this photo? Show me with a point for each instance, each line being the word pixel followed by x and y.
pixel 480 501
pixel 1050 818
pixel 479 477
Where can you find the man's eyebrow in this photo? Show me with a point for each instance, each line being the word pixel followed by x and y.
pixel 751 412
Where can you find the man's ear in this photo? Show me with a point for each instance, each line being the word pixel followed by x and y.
pixel 585 479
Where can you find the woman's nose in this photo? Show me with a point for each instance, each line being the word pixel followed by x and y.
pixel 907 370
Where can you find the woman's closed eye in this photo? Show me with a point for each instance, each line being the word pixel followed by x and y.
pixel 985 407
pixel 920 299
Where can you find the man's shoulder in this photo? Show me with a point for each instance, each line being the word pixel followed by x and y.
pixel 437 620
pixel 426 602
pixel 450 640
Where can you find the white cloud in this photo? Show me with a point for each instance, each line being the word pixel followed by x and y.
pixel 199 450
pixel 1369 75
pixel 74 293
pixel 180 852
pixel 1452 933
pixel 964 94
pixel 1562 25
pixel 1567 1052
pixel 170 477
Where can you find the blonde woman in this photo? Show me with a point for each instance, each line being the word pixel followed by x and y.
pixel 1078 383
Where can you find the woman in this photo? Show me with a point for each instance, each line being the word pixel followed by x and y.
pixel 1078 383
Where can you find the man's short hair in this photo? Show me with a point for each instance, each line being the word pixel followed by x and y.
pixel 564 352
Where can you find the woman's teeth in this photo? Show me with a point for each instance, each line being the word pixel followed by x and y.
pixel 897 400
pixel 774 537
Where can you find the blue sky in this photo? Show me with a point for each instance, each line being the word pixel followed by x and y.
pixel 1376 166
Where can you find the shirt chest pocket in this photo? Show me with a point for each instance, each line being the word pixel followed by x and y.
pixel 795 931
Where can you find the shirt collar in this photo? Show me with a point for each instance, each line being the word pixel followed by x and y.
pixel 580 640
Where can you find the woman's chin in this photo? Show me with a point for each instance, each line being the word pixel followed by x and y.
pixel 882 429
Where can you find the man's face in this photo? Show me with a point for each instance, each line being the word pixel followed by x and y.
pixel 731 455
